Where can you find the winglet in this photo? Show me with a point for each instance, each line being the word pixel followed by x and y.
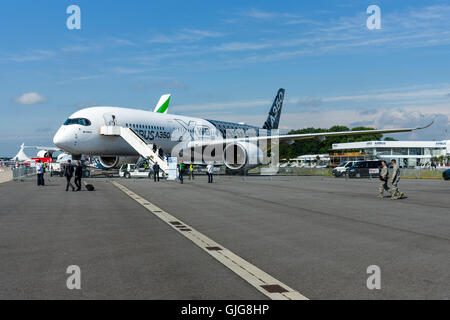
pixel 427 126
pixel 163 104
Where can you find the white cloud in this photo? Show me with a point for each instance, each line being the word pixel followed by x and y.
pixel 259 14
pixel 35 55
pixel 309 102
pixel 122 70
pixel 413 28
pixel 185 35
pixel 174 84
pixel 221 105
pixel 30 98
pixel 241 46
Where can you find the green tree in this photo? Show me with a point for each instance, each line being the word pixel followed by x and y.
pixel 318 146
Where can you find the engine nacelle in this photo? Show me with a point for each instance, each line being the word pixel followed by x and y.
pixel 44 154
pixel 116 162
pixel 242 156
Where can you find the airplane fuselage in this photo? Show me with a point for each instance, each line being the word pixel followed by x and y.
pixel 81 132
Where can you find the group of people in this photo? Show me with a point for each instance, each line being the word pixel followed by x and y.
pixel 182 167
pixel 70 171
pixel 384 177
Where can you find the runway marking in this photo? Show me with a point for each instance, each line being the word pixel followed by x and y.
pixel 263 282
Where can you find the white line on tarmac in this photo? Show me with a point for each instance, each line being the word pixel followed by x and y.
pixel 262 281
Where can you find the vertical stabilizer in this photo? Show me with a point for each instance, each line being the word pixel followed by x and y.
pixel 163 104
pixel 273 120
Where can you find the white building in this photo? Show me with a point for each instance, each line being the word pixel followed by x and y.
pixel 408 153
pixel 308 160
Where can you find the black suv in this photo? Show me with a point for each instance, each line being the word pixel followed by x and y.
pixel 365 169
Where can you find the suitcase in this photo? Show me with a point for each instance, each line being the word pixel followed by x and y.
pixel 89 187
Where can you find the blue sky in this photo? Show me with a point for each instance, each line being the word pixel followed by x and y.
pixel 225 60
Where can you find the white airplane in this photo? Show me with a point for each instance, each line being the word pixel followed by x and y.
pixel 44 152
pixel 80 134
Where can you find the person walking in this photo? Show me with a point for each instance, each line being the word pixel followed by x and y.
pixel 396 194
pixel 433 165
pixel 40 173
pixel 156 171
pixel 181 171
pixel 191 172
pixel 210 171
pixel 68 173
pixel 384 177
pixel 78 175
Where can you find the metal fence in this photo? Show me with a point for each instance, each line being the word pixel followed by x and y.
pixel 405 173
pixel 23 172
pixel 307 171
pixel 422 173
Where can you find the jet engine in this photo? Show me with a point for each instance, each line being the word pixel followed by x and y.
pixel 242 156
pixel 44 154
pixel 116 162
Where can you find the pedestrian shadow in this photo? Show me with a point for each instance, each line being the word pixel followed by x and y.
pixel 402 198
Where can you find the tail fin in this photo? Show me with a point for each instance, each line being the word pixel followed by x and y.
pixel 163 104
pixel 273 120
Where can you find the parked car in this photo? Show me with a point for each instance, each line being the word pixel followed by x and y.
pixel 365 169
pixel 129 170
pixel 342 168
pixel 446 174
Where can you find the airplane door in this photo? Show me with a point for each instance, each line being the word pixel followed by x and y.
pixel 110 119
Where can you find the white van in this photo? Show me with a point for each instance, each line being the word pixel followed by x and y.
pixel 342 168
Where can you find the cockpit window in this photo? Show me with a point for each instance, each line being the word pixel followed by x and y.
pixel 79 121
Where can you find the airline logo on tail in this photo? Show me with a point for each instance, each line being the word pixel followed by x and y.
pixel 273 120
pixel 163 104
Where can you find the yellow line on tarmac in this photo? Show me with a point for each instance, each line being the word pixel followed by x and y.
pixel 262 281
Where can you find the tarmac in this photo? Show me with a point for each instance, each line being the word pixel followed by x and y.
pixel 5 175
pixel 317 235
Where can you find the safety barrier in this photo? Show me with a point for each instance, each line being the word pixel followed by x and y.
pixel 405 173
pixel 23 172
pixel 421 173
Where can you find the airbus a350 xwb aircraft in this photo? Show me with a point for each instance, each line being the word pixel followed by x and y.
pixel 80 134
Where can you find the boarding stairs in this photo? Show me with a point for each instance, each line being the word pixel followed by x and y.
pixel 140 145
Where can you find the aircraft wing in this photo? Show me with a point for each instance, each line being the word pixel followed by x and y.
pixel 290 138
pixel 53 149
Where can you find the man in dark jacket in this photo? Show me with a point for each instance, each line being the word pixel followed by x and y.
pixel 78 175
pixel 68 173
pixel 156 171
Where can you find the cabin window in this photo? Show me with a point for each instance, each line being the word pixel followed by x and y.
pixel 78 121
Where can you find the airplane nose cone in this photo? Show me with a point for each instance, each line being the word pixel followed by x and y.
pixel 57 140
pixel 60 139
